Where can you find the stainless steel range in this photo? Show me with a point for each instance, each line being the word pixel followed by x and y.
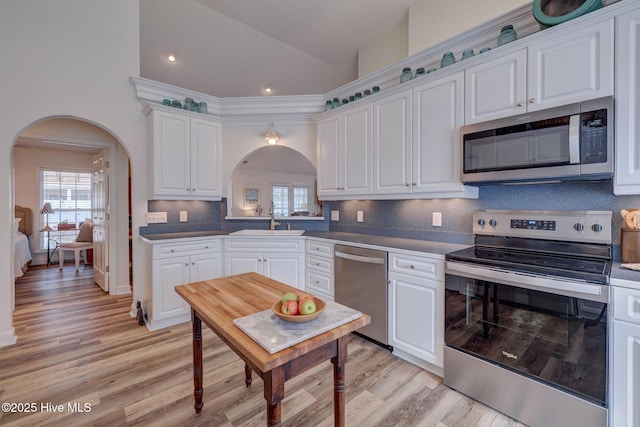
pixel 526 315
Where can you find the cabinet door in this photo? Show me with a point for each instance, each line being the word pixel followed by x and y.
pixel 167 274
pixel 496 88
pixel 357 150
pixel 392 144
pixel 437 117
pixel 625 396
pixel 416 313
pixel 285 268
pixel 246 262
pixel 204 267
pixel 570 68
pixel 329 158
pixel 627 171
pixel 171 154
pixel 205 159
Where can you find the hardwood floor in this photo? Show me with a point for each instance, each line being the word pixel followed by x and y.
pixel 79 346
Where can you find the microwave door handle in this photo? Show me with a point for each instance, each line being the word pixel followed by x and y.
pixel 574 139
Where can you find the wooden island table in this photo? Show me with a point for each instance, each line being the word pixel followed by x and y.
pixel 218 302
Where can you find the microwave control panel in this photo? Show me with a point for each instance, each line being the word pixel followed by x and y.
pixel 593 137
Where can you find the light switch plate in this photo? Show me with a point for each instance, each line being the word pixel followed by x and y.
pixel 156 217
pixel 436 219
pixel 360 216
pixel 335 215
pixel 183 216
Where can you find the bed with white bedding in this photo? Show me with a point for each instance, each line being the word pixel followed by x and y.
pixel 21 230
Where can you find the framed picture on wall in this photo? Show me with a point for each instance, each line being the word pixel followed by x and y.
pixel 251 198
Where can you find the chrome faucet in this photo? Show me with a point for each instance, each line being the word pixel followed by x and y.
pixel 274 223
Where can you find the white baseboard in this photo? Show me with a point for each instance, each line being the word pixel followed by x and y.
pixel 8 338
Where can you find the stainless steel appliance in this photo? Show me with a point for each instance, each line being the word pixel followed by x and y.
pixel 568 142
pixel 361 283
pixel 526 315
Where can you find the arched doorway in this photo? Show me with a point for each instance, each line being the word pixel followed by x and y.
pixel 75 143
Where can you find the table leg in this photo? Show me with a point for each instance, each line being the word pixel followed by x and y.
pixel 338 382
pixel 247 375
pixel 197 361
pixel 274 393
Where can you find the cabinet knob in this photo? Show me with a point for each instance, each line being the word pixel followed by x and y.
pixel 264 260
pixel 186 264
pixel 193 263
pixel 414 184
pixel 411 267
pixel 532 101
pixel 172 250
pixel 206 247
pixel 407 184
pixel 520 104
pixel 259 260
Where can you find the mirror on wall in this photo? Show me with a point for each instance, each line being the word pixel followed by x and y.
pixel 274 179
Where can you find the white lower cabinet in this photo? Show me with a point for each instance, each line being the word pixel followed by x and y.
pixel 280 258
pixel 625 364
pixel 416 309
pixel 319 269
pixel 175 264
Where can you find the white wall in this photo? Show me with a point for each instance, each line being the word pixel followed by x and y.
pixel 69 58
pixel 387 49
pixel 27 163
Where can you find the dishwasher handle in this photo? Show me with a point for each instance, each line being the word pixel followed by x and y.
pixel 360 258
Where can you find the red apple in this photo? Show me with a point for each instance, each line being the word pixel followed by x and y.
pixel 307 306
pixel 290 307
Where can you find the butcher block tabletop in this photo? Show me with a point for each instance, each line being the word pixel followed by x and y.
pixel 219 301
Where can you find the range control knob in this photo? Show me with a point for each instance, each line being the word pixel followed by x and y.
pixel 596 227
pixel 492 222
pixel 578 226
pixel 481 222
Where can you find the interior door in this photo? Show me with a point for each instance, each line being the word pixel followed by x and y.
pixel 100 214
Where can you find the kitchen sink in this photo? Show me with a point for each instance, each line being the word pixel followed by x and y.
pixel 250 232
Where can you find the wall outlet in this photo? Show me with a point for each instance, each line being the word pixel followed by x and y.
pixel 156 217
pixel 436 219
pixel 183 216
pixel 335 215
pixel 360 216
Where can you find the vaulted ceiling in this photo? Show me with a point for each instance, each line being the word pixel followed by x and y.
pixel 232 48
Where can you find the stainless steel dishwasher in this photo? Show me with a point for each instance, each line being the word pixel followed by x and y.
pixel 361 283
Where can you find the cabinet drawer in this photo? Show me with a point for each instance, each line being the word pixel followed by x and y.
pixel 168 250
pixel 273 244
pixel 320 264
pixel 319 283
pixel 320 248
pixel 416 266
pixel 626 304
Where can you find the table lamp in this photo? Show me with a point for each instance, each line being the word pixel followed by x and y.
pixel 47 209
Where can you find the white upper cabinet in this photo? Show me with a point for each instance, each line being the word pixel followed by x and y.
pixel 185 156
pixel 572 66
pixel 437 116
pixel 392 144
pixel 345 156
pixel 627 169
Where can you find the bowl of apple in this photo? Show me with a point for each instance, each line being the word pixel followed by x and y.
pixel 298 308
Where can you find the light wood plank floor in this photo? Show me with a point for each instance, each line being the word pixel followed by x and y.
pixel 78 345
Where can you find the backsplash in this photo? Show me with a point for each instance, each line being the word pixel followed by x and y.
pixel 412 218
pixel 210 216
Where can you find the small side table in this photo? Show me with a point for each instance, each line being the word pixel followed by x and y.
pixel 50 252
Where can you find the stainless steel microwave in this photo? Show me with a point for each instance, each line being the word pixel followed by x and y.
pixel 570 142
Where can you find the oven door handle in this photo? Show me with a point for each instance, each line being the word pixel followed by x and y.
pixel 555 285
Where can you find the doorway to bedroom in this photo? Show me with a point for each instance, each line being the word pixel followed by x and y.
pixel 61 172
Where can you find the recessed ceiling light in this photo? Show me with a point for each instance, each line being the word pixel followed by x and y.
pixel 171 57
pixel 267 90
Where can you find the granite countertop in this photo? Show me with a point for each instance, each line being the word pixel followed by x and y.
pixel 438 248
pixel 183 235
pixel 630 277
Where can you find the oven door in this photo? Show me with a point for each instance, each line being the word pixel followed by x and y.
pixel 556 335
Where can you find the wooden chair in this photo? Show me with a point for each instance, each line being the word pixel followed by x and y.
pixel 76 247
